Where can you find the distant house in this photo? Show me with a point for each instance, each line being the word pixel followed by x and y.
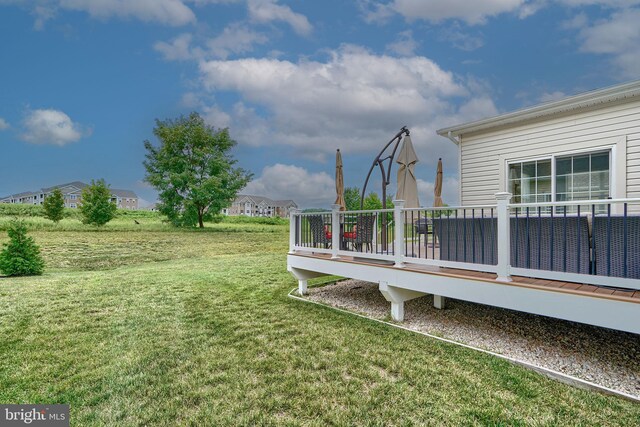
pixel 260 206
pixel 72 194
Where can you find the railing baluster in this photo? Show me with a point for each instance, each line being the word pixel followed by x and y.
pixel 609 239
pixel 457 235
pixel 578 226
pixel 482 233
pixel 551 230
pixel 564 243
pixel 448 236
pixel 539 237
pixel 625 241
pixel 433 240
pixel 593 239
pixel 464 234
pixel 528 240
pixel 515 241
pixel 473 235
pixel 494 235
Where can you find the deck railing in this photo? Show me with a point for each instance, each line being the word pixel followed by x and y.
pixel 587 241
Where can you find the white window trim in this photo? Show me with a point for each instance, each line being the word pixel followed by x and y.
pixel 617 166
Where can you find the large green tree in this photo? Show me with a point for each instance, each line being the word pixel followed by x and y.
pixel 97 208
pixel 53 206
pixel 192 170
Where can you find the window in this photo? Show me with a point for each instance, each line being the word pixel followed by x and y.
pixel 530 182
pixel 584 176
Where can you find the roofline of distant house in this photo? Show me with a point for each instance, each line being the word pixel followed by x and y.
pixel 572 103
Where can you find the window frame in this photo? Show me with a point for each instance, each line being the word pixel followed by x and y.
pixel 611 149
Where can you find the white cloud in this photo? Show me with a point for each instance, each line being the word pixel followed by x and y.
pixel 3 124
pixel 354 100
pixel 602 3
pixel 459 39
pixel 236 38
pixel 552 96
pixel 167 12
pixel 472 12
pixel 405 44
pixel 266 11
pixel 618 36
pixel 50 127
pixel 576 22
pixel 283 182
pixel 178 49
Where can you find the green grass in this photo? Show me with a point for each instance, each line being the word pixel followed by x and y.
pixel 166 327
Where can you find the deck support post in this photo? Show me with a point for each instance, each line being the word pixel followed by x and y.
pixel 439 302
pixel 398 222
pixel 302 287
pixel 303 276
pixel 293 230
pixel 335 231
pixel 504 237
pixel 397 296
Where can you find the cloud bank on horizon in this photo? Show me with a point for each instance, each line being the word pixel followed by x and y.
pixel 295 81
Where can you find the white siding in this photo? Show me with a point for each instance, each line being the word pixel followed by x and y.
pixel 484 155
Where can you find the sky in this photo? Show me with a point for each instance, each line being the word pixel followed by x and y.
pixel 83 81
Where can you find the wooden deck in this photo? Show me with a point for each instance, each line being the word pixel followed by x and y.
pixel 582 289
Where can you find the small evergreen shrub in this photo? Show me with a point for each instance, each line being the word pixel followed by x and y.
pixel 21 256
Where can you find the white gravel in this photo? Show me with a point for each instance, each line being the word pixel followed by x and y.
pixel 602 356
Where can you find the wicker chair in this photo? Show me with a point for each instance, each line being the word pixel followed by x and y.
pixel 609 246
pixel 320 237
pixel 363 233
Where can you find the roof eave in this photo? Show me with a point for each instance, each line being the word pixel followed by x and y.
pixel 577 102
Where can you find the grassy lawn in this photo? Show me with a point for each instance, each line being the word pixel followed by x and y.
pixel 152 326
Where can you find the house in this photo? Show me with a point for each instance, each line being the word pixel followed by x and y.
pixel 259 206
pixel 549 219
pixel 72 194
pixel 582 147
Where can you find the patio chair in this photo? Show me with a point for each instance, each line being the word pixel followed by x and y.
pixel 609 246
pixel 362 233
pixel 318 232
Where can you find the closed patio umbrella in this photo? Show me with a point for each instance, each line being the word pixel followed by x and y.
pixel 437 188
pixel 407 184
pixel 339 182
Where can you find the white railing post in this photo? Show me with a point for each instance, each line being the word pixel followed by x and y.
pixel 504 237
pixel 293 215
pixel 335 231
pixel 398 220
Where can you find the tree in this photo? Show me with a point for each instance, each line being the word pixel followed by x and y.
pixel 192 170
pixel 97 207
pixel 21 256
pixel 54 206
pixel 352 198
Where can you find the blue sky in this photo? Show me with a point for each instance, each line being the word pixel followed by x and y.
pixel 82 81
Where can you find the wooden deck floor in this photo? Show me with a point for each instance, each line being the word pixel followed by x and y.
pixel 529 282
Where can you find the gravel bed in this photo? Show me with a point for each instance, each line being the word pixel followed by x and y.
pixel 602 356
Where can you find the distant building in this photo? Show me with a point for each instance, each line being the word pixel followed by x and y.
pixel 72 194
pixel 259 206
